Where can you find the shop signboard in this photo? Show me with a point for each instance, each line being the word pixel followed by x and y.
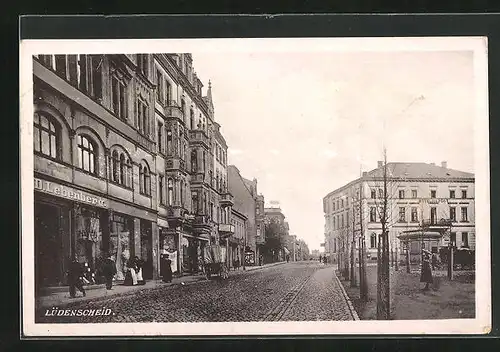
pixel 70 193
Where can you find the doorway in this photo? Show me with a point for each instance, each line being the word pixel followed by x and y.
pixel 49 251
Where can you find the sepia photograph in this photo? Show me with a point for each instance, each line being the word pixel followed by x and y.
pixel 255 186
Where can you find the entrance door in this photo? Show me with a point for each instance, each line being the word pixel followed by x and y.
pixel 48 246
pixel 147 249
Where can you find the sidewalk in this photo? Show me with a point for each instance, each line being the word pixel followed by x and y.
pixel 60 295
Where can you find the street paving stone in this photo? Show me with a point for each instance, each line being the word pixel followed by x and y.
pixel 299 291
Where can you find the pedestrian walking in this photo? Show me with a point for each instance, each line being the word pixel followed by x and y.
pixel 75 277
pixel 320 259
pixel 167 268
pixel 426 271
pixel 109 271
pixel 324 260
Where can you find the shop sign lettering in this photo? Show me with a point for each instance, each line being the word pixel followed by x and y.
pixel 69 193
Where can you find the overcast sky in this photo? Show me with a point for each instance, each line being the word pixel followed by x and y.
pixel 304 124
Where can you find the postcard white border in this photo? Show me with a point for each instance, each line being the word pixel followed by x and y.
pixel 480 325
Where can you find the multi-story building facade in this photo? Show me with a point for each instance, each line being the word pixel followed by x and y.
pixel 259 239
pixel 433 200
pixel 125 161
pixel 244 203
pixel 236 243
pixel 273 214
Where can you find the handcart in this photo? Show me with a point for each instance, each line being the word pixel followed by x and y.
pixel 214 258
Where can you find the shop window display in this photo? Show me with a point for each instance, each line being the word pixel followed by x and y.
pixel 120 244
pixel 89 243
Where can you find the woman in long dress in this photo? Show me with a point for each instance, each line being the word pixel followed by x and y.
pixel 426 273
pixel 131 275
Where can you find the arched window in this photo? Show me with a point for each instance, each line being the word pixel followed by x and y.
pixel 144 180
pixel 121 168
pixel 373 240
pixel 87 154
pixel 170 192
pixel 46 135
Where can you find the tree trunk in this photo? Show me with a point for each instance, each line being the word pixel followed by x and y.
pixel 353 261
pixel 408 270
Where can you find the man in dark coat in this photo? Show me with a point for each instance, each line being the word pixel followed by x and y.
pixel 109 271
pixel 167 268
pixel 426 274
pixel 75 280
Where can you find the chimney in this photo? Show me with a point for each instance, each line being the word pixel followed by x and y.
pixel 365 173
pixel 444 164
pixel 380 163
pixel 433 164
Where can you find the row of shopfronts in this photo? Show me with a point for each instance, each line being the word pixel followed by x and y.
pixel 71 222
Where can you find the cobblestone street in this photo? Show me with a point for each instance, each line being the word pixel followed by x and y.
pixel 294 291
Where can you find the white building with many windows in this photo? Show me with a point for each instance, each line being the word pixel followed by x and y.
pixel 422 197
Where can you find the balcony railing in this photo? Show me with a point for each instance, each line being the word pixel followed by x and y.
pixel 174 111
pixel 226 228
pixel 198 136
pixel 200 177
pixel 175 163
pixel 227 198
pixel 436 222
pixel 201 220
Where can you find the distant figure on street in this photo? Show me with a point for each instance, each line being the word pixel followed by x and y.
pixel 320 259
pixel 261 260
pixel 167 268
pixel 75 277
pixel 426 273
pixel 287 258
pixel 324 260
pixel 109 271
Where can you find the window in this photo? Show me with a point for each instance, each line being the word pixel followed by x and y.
pixel 170 192
pixel 194 161
pixel 373 240
pixel 338 204
pixel 160 187
pixel 414 214
pixel 142 115
pixel 433 193
pixel 183 107
pixel 373 194
pixel 414 193
pixel 334 222
pixel 118 91
pixel 342 203
pixel 453 238
pixel 464 193
pixel 82 73
pixel 191 115
pixel 452 193
pixel 433 215
pixel 182 193
pixel 342 220
pixel 347 218
pixel 159 88
pixel 45 135
pixel 142 63
pixel 194 200
pixel 86 154
pixel 347 202
pixel 144 180
pixel 121 169
pixel 160 137
pixel 465 240
pixel 96 75
pixel 373 214
pixel 169 142
pixel 464 214
pixel 73 70
pixel 401 194
pixel 402 214
pixel 333 205
pixel 453 214
pixel 168 92
pixel 61 65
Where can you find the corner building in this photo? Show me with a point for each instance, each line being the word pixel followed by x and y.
pixel 124 150
pixel 422 198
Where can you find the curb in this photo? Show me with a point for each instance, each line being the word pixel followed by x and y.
pixel 348 300
pixel 264 266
